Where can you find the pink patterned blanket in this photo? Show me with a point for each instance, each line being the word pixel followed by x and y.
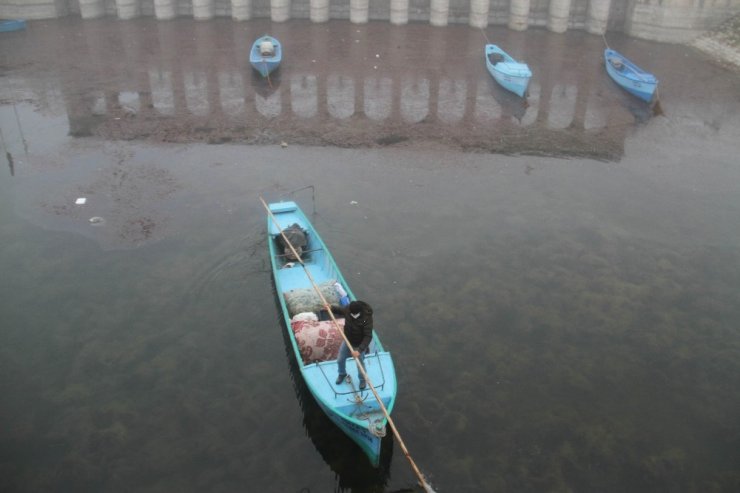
pixel 317 341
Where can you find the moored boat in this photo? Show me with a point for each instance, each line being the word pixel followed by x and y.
pixel 8 25
pixel 266 55
pixel 629 76
pixel 509 73
pixel 356 412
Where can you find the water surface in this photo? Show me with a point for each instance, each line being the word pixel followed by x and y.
pixel 556 324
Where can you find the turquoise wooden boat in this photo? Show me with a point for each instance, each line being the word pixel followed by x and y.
pixel 629 76
pixel 355 412
pixel 512 75
pixel 266 55
pixel 9 25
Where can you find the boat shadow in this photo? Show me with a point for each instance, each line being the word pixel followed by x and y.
pixel 511 105
pixel 265 86
pixel 353 470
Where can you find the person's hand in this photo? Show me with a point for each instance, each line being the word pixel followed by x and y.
pixel 356 354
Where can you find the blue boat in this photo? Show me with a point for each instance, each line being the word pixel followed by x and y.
pixel 628 75
pixel 9 25
pixel 512 75
pixel 356 412
pixel 266 55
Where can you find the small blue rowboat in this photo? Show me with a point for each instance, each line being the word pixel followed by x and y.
pixel 512 75
pixel 266 55
pixel 356 412
pixel 7 26
pixel 628 75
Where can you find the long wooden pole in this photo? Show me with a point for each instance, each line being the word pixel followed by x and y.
pixel 405 450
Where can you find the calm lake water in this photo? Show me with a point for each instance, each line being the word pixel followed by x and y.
pixel 566 319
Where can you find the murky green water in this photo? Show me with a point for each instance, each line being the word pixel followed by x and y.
pixel 556 325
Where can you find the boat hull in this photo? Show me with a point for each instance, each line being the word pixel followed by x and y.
pixel 508 73
pixel 355 412
pixel 265 68
pixel 369 443
pixel 629 76
pixel 262 64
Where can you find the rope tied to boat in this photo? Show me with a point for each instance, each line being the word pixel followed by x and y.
pixel 374 426
pixel 267 72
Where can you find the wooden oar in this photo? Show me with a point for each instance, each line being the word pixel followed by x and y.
pixel 416 470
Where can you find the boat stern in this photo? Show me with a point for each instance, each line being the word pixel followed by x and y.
pixel 356 411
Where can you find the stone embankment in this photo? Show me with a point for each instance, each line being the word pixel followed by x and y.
pixel 723 43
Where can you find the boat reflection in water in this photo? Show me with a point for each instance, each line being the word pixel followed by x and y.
pixel 513 107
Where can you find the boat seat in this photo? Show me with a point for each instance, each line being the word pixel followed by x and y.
pixel 267 48
pixel 616 63
pixel 496 58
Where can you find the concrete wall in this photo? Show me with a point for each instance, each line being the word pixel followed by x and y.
pixel 659 20
pixel 676 20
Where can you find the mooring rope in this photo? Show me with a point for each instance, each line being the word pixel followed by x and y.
pixel 603 36
pixel 267 73
pixel 483 32
pixel 419 475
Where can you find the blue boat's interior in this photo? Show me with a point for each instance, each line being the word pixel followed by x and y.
pixel 627 68
pixel 314 257
pixel 266 48
pixel 321 375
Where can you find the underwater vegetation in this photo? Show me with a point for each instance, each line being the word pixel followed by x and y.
pixel 549 360
pixel 575 361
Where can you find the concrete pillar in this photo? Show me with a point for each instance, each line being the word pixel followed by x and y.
pixel 92 9
pixel 439 11
pixel 164 9
pixel 279 10
pixel 519 15
pixel 319 10
pixel 203 10
pixel 557 20
pixel 241 10
pixel 399 12
pixel 128 9
pixel 598 15
pixel 479 13
pixel 358 11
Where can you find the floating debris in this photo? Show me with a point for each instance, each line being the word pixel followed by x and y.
pixel 97 221
pixel 81 201
pixel 283 144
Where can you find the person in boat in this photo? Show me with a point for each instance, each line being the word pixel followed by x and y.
pixel 358 327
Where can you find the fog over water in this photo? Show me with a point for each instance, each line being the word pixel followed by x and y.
pixel 558 281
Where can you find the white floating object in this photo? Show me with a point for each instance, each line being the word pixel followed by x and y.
pixel 97 220
pixel 353 202
pixel 377 55
pixel 283 144
pixel 80 201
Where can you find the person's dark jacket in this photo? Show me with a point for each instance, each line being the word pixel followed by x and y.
pixel 359 330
